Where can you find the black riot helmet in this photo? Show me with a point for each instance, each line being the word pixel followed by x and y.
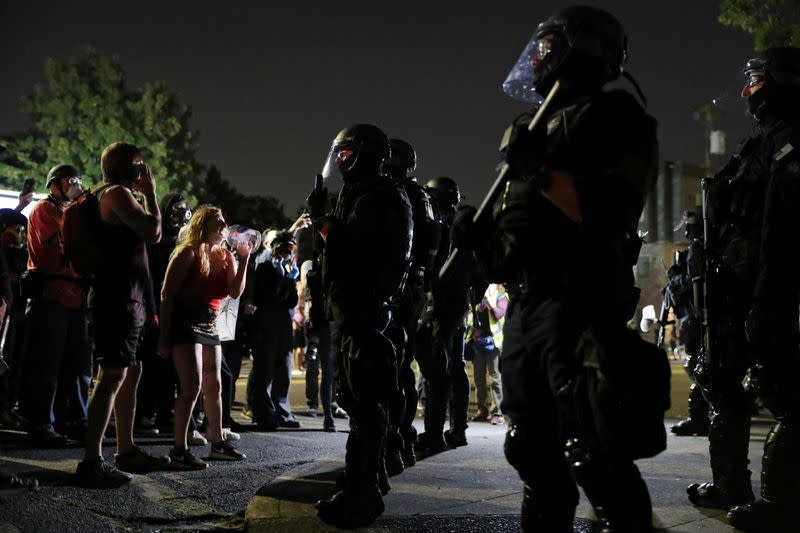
pixel 779 71
pixel 357 154
pixel 61 171
pixel 445 194
pixel 403 160
pixel 585 46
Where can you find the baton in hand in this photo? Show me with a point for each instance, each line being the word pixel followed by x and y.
pixel 501 179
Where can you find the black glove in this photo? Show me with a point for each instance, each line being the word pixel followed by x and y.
pixel 317 201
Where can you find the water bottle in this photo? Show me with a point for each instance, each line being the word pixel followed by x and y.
pixel 239 234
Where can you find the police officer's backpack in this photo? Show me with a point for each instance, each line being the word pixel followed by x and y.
pixel 79 234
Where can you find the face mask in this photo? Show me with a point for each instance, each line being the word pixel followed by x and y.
pixel 73 192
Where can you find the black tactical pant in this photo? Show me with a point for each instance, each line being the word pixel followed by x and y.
pixel 731 407
pixel 363 388
pixel 538 361
pixel 440 354
pixel 780 474
pixel 403 409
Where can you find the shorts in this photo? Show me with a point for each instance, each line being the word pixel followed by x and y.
pixel 118 330
pixel 194 325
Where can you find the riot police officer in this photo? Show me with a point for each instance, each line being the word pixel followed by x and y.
pixel 737 214
pixel 764 197
pixel 679 294
pixel 402 434
pixel 440 346
pixel 367 250
pixel 576 191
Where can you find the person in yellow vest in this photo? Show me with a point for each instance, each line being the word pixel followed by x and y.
pixel 484 341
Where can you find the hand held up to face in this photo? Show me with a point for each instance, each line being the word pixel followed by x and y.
pixel 145 182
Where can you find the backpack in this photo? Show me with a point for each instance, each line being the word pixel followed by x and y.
pixel 79 234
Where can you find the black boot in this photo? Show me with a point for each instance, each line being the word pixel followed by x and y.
pixel 394 462
pixel 780 485
pixel 409 455
pixel 431 443
pixel 348 509
pixel 541 514
pixel 698 422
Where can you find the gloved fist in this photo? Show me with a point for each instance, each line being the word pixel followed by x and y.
pixel 317 201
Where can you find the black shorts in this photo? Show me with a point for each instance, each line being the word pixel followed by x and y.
pixel 118 329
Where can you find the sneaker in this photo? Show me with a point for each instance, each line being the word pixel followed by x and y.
pixel 227 434
pixel 47 439
pixel 13 485
pixel 498 420
pixel 247 413
pixel 100 474
pixel 139 461
pixel 195 438
pixel 291 423
pixel 184 458
pixel 480 416
pixel 311 411
pixel 225 451
pixel 10 419
pixel 339 413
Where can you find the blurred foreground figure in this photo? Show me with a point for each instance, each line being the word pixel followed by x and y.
pixel 585 395
pixel 373 219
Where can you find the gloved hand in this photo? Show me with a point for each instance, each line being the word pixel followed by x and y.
pixel 317 201
pixel 292 272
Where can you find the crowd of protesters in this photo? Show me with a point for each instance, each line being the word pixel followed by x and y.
pixel 174 307
pixel 154 340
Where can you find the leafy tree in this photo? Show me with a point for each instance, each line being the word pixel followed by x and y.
pixel 85 106
pixel 771 22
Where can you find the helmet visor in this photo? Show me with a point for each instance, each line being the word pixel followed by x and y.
pixel 519 83
pixel 339 160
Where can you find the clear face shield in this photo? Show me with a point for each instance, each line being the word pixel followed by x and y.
pixel 340 159
pixel 519 83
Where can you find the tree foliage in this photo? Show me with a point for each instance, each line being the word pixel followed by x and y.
pixel 86 105
pixel 771 22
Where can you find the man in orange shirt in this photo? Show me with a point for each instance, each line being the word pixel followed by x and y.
pixel 58 360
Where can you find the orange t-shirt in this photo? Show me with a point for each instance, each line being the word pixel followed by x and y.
pixel 44 254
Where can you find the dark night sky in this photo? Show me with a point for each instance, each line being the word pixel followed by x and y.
pixel 269 87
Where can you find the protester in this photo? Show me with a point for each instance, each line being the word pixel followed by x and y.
pixel 200 275
pixel 58 365
pixel 118 313
pixel 485 341
pixel 13 240
pixel 275 295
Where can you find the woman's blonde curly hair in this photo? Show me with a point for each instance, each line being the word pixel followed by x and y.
pixel 193 236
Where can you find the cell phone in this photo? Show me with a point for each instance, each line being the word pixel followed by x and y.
pixel 28 185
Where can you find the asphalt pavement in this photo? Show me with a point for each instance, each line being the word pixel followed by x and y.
pixel 469 489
